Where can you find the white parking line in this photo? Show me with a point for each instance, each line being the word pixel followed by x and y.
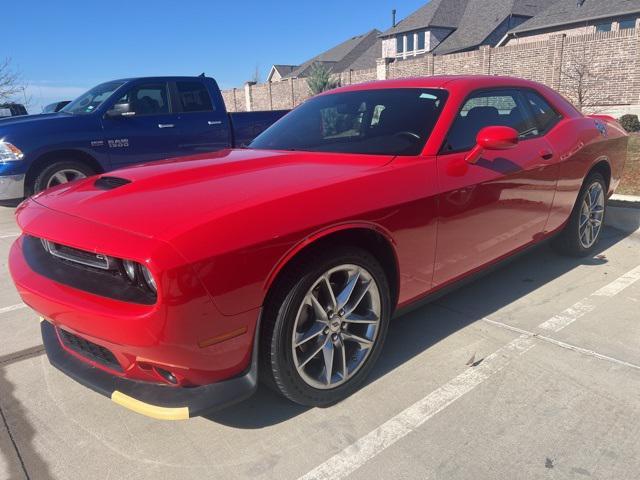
pixel 586 305
pixel 367 447
pixel 10 235
pixel 11 308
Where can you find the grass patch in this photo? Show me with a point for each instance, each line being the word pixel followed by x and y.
pixel 630 184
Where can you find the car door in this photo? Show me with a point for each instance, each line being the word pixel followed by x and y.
pixel 141 126
pixel 502 202
pixel 204 125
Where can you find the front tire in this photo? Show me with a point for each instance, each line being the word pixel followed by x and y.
pixel 324 326
pixel 581 234
pixel 59 173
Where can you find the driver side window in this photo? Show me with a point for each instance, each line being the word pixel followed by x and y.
pixel 147 99
pixel 489 108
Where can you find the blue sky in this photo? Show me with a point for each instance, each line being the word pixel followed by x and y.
pixel 64 47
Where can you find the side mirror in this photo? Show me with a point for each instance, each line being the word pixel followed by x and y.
pixel 493 138
pixel 120 110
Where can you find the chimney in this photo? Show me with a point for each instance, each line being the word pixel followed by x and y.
pixel 393 18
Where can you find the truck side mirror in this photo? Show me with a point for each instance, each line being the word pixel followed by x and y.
pixel 120 110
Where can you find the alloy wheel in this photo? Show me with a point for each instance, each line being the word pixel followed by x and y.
pixel 336 326
pixel 591 215
pixel 65 176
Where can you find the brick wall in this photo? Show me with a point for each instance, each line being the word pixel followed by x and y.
pixel 611 60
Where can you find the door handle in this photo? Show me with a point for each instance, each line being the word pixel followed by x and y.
pixel 215 122
pixel 546 154
pixel 166 125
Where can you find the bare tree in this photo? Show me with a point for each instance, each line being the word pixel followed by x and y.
pixel 255 78
pixel 11 85
pixel 584 83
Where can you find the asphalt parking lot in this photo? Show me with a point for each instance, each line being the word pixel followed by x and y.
pixel 531 372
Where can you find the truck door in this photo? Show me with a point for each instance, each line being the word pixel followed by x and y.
pixel 204 123
pixel 141 126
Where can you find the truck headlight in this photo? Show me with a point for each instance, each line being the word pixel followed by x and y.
pixel 9 152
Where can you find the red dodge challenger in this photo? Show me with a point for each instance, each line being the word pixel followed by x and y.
pixel 170 287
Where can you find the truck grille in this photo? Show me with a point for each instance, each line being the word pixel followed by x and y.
pixel 89 350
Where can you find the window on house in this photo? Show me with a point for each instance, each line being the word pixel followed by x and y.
pixel 410 43
pixel 603 27
pixel 627 24
pixel 421 40
pixel 400 43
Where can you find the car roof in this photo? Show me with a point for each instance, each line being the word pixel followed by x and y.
pixel 442 81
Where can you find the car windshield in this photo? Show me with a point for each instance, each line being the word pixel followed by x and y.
pixel 89 101
pixel 377 122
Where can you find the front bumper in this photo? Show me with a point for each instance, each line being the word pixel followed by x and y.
pixel 11 187
pixel 153 400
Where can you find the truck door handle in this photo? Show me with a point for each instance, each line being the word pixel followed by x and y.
pixel 546 154
pixel 214 122
pixel 166 125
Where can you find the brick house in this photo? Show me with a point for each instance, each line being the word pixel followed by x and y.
pixel 576 17
pixel 450 26
pixel 353 54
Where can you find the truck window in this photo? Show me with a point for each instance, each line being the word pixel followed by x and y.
pixel 147 99
pixel 194 97
pixel 89 101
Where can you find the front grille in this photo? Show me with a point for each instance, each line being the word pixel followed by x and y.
pixel 82 257
pixel 77 273
pixel 89 350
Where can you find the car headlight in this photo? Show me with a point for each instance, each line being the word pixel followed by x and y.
pixel 137 273
pixel 9 152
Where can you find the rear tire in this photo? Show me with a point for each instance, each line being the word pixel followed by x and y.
pixel 347 341
pixel 581 234
pixel 60 172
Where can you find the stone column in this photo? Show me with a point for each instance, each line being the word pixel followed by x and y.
pixel 382 68
pixel 485 59
pixel 248 94
pixel 554 62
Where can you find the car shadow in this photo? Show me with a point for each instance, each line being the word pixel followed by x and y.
pixel 22 457
pixel 415 332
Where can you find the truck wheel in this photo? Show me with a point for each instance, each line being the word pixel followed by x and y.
pixel 324 326
pixel 582 232
pixel 61 172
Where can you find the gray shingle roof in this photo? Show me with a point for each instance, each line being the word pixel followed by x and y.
pixel 436 13
pixel 355 51
pixel 484 20
pixel 565 12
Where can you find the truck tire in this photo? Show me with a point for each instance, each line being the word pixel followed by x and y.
pixel 60 172
pixel 324 326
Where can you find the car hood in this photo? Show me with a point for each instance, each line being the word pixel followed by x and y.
pixel 167 198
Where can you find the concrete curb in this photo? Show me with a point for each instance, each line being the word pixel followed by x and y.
pixel 623 213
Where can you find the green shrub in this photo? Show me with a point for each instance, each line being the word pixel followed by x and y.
pixel 630 123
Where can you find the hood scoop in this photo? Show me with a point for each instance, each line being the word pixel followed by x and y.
pixel 109 183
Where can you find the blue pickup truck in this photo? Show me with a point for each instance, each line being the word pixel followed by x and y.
pixel 120 123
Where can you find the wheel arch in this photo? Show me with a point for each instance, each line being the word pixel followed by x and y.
pixel 48 158
pixel 603 167
pixel 370 237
